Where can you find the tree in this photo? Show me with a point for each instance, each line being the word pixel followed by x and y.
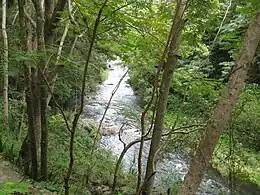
pixel 5 60
pixel 28 150
pixel 36 92
pixel 223 111
pixel 168 67
pixel 80 110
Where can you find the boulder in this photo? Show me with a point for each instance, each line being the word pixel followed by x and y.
pixel 88 124
pixel 108 130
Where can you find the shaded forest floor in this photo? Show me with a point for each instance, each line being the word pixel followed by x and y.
pixel 8 172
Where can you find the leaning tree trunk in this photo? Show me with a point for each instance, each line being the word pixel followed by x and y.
pixel 169 67
pixel 5 62
pixel 223 111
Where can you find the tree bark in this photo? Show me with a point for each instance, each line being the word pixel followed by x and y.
pixel 36 93
pixel 28 149
pixel 36 107
pixel 31 132
pixel 223 111
pixel 54 19
pixel 49 7
pixel 44 131
pixel 40 85
pixel 5 63
pixel 169 67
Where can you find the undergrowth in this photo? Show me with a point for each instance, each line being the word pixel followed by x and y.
pixel 102 163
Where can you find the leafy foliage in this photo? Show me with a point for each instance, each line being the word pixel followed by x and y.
pixel 9 188
pixel 136 31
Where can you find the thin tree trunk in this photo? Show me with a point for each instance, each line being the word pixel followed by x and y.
pixel 31 132
pixel 44 131
pixel 169 67
pixel 154 93
pixel 53 80
pixel 49 7
pixel 223 111
pixel 36 107
pixel 77 115
pixel 5 56
pixel 73 45
pixel 20 126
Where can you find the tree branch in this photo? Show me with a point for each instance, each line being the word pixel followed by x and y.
pixel 117 9
pixel 29 18
pixel 103 117
pixel 119 161
pixel 55 101
pixel 80 110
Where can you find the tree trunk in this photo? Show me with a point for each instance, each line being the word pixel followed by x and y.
pixel 54 76
pixel 31 132
pixel 40 85
pixel 169 67
pixel 80 110
pixel 28 149
pixel 44 129
pixel 36 93
pixel 21 122
pixel 36 107
pixel 5 59
pixel 223 111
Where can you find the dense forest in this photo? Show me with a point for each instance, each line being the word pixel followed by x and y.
pixel 130 97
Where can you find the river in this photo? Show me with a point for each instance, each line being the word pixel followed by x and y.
pixel 125 108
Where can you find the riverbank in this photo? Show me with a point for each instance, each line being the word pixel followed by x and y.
pixel 124 109
pixel 102 162
pixel 237 152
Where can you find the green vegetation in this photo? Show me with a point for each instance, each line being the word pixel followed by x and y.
pixel 102 163
pixel 9 188
pixel 56 58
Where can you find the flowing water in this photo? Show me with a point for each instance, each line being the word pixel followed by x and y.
pixel 124 109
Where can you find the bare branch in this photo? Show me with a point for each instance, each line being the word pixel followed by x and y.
pixel 119 161
pixel 221 25
pixel 62 42
pixel 29 18
pixel 119 134
pixel 71 15
pixel 101 121
pixel 79 112
pixel 143 33
pixel 55 101
pixel 117 9
pixel 106 109
pixel 15 17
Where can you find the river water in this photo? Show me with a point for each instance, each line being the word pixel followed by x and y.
pixel 124 108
